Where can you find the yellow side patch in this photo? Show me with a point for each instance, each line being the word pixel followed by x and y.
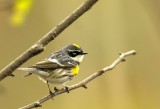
pixel 76 45
pixel 75 70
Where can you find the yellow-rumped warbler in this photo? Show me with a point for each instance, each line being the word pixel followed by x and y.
pixel 60 67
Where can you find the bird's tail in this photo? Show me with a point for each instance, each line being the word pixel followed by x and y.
pixel 28 70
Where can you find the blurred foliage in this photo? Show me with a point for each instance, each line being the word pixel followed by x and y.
pixel 110 27
pixel 18 10
pixel 21 8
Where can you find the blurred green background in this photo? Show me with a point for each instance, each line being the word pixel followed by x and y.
pixel 110 27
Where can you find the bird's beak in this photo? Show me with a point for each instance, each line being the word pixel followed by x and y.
pixel 84 53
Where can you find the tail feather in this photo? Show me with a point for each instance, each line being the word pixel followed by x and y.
pixel 28 70
pixel 27 74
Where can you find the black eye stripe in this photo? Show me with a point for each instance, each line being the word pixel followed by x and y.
pixel 74 53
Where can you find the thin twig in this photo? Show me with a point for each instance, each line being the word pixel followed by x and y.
pixel 38 47
pixel 82 83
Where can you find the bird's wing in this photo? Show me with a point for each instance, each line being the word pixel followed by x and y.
pixel 53 64
pixel 46 64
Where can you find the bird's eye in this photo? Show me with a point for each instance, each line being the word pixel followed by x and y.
pixel 73 53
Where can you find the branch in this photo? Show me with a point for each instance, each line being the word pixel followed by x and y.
pixel 38 47
pixel 82 83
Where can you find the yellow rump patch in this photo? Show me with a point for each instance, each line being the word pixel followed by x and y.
pixel 75 70
pixel 76 45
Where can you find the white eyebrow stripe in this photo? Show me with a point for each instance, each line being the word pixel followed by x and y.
pixel 75 50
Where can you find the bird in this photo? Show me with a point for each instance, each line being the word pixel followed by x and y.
pixel 59 67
